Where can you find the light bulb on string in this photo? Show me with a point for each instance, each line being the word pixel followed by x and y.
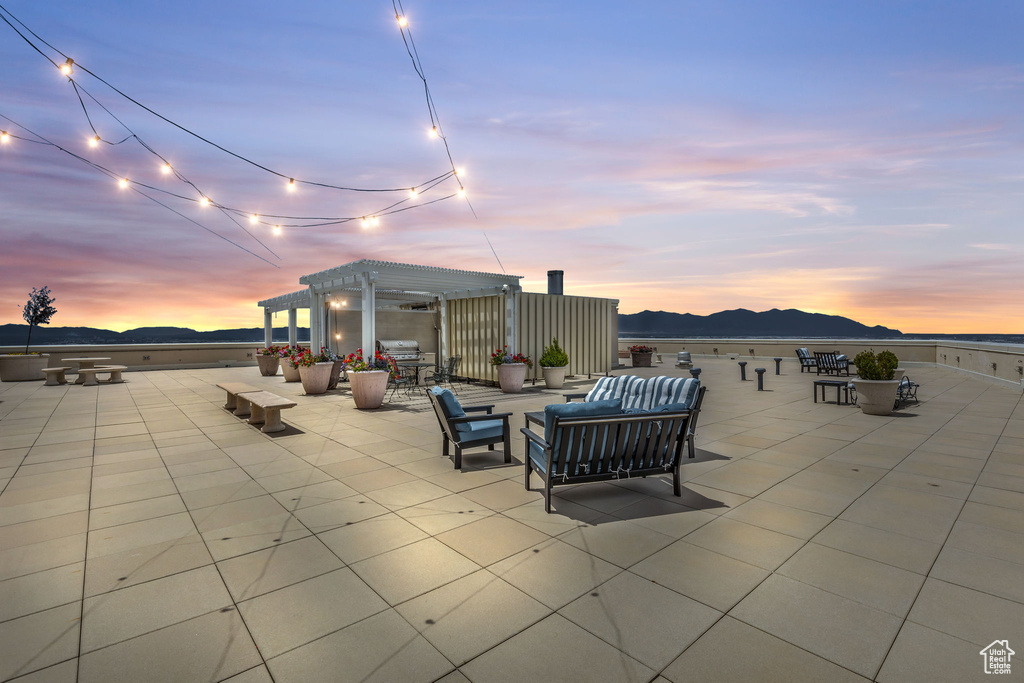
pixel 460 172
pixel 67 67
pixel 291 184
pixel 254 218
pixel 364 222
pixel 4 137
pixel 94 141
pixel 166 168
pixel 462 192
pixel 374 221
pixel 204 200
pixel 433 132
pixel 402 21
pixel 123 183
pixel 277 229
pixel 413 193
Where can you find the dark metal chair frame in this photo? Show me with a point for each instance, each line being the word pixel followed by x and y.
pixel 829 363
pixel 405 380
pixel 806 362
pixel 907 391
pixel 461 440
pixel 637 443
pixel 448 373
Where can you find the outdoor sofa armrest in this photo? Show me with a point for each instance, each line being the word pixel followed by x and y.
pixel 536 438
pixel 475 409
pixel 570 397
pixel 479 418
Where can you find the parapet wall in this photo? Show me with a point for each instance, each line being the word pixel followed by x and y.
pixel 154 356
pixel 1003 363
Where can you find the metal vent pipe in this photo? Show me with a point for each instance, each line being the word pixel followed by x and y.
pixel 555 281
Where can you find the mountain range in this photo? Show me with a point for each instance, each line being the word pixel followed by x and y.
pixel 14 335
pixel 743 323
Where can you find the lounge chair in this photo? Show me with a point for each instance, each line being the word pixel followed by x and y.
pixel 831 363
pixel 807 361
pixel 467 431
pixel 906 391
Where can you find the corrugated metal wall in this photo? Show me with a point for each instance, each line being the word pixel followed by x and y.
pixel 581 324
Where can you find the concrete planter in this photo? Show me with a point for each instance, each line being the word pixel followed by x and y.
pixel 315 378
pixel 641 360
pixel 368 388
pixel 876 396
pixel 268 365
pixel 23 368
pixel 511 377
pixel 290 372
pixel 554 378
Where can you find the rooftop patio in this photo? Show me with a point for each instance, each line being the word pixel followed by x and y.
pixel 146 534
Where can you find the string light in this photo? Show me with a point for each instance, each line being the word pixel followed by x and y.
pixel 123 183
pixel 166 168
pixel 277 229
pixel 365 223
pixel 204 200
pixel 433 132
pixel 254 218
pixel 291 184
pixel 461 192
pixel 337 335
pixel 460 172
pixel 412 193
pixel 66 67
pixel 374 221
pixel 94 141
pixel 4 137
pixel 402 21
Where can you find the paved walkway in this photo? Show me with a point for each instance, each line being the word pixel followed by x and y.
pixel 148 535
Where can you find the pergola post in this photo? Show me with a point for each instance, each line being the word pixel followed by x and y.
pixel 369 293
pixel 512 319
pixel 314 318
pixel 268 328
pixel 442 312
pixel 293 330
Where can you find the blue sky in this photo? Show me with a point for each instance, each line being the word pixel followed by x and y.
pixel 856 159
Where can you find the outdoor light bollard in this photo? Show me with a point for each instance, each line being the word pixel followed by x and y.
pixel 695 373
pixel 778 363
pixel 760 378
pixel 743 370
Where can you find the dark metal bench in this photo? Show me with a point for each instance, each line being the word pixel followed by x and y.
pixel 831 363
pixel 584 449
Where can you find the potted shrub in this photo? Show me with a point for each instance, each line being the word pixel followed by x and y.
pixel 640 355
pixel 511 369
pixel 369 377
pixel 19 367
pixel 314 370
pixel 289 369
pixel 876 383
pixel 269 360
pixel 553 363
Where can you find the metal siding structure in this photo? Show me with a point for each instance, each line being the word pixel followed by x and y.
pixel 582 325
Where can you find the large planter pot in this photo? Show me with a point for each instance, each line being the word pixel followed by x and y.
pixel 554 378
pixel 511 377
pixel 268 365
pixel 315 378
pixel 368 388
pixel 23 368
pixel 290 372
pixel 641 360
pixel 876 396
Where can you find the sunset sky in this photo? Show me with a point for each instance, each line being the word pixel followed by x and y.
pixel 858 159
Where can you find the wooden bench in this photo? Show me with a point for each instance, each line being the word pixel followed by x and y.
pixel 55 376
pixel 233 389
pixel 266 409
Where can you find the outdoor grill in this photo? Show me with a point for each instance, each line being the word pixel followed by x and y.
pixel 400 349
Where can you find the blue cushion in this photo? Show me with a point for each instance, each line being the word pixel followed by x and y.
pixel 647 394
pixel 472 428
pixel 610 388
pixel 585 409
pixel 449 402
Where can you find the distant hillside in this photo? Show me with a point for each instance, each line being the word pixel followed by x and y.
pixel 14 335
pixel 744 323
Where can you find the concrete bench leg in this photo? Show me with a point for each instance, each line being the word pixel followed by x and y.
pixel 54 379
pixel 231 403
pixel 258 414
pixel 115 377
pixel 243 407
pixel 89 380
pixel 273 421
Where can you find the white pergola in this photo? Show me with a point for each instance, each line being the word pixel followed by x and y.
pixel 396 282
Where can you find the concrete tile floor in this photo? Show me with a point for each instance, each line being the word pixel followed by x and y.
pixel 146 534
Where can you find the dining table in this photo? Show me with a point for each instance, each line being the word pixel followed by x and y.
pixel 84 363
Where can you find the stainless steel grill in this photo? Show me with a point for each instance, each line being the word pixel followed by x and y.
pixel 400 349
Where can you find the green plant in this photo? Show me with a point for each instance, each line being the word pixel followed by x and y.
pixel 38 310
pixel 553 356
pixel 880 367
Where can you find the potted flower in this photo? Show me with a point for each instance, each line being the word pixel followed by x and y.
pixel 19 367
pixel 553 363
pixel 369 377
pixel 289 369
pixel 511 369
pixel 640 355
pixel 314 370
pixel 269 360
pixel 876 383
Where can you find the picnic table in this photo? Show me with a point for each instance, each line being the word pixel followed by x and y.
pixel 84 363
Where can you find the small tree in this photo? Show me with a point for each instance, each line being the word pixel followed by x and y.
pixel 38 310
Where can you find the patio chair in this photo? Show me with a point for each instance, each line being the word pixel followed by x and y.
pixel 906 391
pixel 462 431
pixel 807 361
pixel 448 373
pixel 405 380
pixel 831 363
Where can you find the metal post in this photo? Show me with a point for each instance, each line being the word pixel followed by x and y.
pixel 695 373
pixel 760 378
pixel 778 363
pixel 743 370
pixel 369 331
